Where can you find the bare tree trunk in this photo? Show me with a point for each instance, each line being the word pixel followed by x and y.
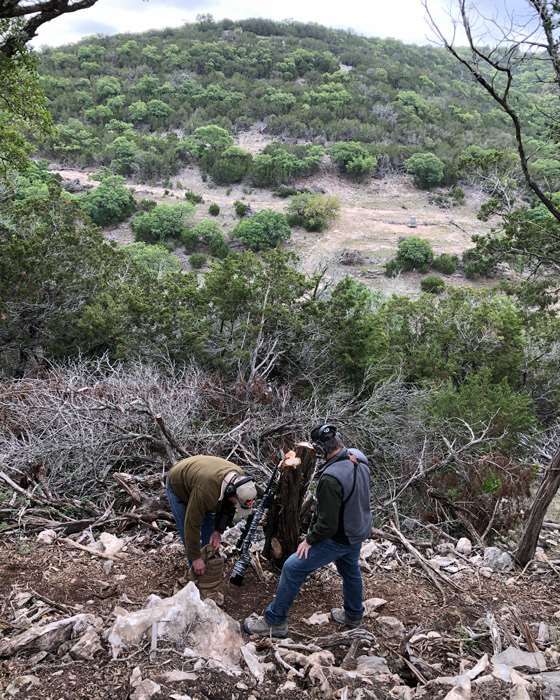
pixel 283 526
pixel 546 492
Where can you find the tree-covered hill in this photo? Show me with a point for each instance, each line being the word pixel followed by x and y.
pixel 130 101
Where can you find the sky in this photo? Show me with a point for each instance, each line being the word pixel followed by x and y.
pixel 399 19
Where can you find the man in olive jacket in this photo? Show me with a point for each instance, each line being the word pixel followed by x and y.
pixel 341 523
pixel 203 493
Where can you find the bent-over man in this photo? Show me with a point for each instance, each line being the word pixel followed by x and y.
pixel 342 521
pixel 203 493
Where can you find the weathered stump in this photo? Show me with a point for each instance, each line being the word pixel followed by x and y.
pixel 283 525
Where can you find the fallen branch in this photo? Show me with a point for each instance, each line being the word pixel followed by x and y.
pixel 90 550
pixel 432 572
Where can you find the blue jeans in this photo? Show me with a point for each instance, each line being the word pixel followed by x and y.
pixel 179 509
pixel 294 572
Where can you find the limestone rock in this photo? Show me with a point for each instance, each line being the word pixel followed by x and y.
pixel 187 621
pixel 517 658
pixel 48 637
pixel 372 604
pixel 87 646
pixel 317 619
pixel 497 560
pixel 371 665
pixel 464 546
pixel 391 627
pixel 46 536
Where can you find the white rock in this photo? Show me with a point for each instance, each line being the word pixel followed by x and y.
pixel 497 560
pixel 444 548
pixel 464 546
pixel 317 619
pixel 371 665
pixel 369 548
pixel 48 637
pixel 177 676
pixel 254 664
pixel 391 627
pixel 551 682
pixel 211 633
pixel 20 683
pixel 144 690
pixel 462 691
pixel 87 646
pixel 288 686
pixel 372 604
pixel 178 696
pixel 108 566
pixel 515 658
pixel 486 571
pixel 109 544
pixel 46 536
pixel 442 562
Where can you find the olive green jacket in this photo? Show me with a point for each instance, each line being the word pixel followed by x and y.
pixel 197 481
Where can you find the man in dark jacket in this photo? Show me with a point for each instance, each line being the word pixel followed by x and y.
pixel 203 493
pixel 341 523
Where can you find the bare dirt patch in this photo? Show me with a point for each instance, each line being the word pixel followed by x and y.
pixel 374 216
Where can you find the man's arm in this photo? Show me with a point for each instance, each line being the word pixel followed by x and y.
pixel 329 502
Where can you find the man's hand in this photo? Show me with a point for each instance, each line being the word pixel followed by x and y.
pixel 216 540
pixel 303 549
pixel 199 567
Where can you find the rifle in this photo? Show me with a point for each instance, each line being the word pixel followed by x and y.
pixel 250 530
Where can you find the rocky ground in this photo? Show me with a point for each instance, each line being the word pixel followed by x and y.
pixel 449 622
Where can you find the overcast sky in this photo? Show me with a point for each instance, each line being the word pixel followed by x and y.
pixel 401 19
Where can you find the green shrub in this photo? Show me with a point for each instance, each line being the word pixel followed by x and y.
pixel 432 284
pixel 163 222
pixel 477 264
pixel 146 205
pixel 193 197
pixel 415 254
pixel 285 191
pixel 353 159
pixel 231 165
pixel 427 169
pixel 197 260
pixel 152 258
pixel 241 208
pixel 214 209
pixel 190 240
pixel 446 264
pixel 312 211
pixel 280 163
pixel 392 268
pixel 210 233
pixel 110 202
pixel 265 229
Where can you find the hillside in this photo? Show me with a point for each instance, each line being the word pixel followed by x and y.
pixel 130 101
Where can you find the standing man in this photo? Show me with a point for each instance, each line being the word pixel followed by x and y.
pixel 203 493
pixel 342 521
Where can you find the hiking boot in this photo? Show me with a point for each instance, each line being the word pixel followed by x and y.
pixel 338 615
pixel 257 624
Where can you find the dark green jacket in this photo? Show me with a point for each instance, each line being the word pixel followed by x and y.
pixel 327 522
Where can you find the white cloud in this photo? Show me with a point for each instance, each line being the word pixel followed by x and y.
pixel 401 19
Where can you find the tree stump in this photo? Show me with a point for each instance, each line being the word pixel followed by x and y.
pixel 283 525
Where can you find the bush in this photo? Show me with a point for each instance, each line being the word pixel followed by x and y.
pixel 163 222
pixel 110 202
pixel 190 240
pixel 152 258
pixel 280 163
pixel 353 159
pixel 284 191
pixel 446 264
pixel 415 254
pixel 265 229
pixel 146 205
pixel 210 233
pixel 197 260
pixel 427 169
pixel 312 211
pixel 231 166
pixel 477 264
pixel 241 208
pixel 432 284
pixel 193 197
pixel 214 209
pixel 392 268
